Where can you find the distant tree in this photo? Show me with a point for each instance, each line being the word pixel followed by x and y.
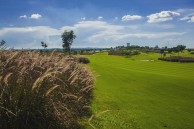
pixel 2 44
pixel 170 50
pixel 165 48
pixel 189 50
pixel 181 47
pixel 156 47
pixel 67 38
pixel 147 47
pixel 162 52
pixel 44 45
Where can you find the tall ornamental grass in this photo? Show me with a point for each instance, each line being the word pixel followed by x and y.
pixel 43 91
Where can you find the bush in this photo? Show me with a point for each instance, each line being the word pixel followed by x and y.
pixel 83 60
pixel 187 60
pixel 114 52
pixel 177 59
pixel 192 52
pixel 87 52
pixel 135 52
pixel 123 52
pixel 41 91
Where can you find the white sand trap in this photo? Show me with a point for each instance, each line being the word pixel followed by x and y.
pixel 146 60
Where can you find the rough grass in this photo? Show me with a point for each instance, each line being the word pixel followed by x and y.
pixel 138 94
pixel 43 91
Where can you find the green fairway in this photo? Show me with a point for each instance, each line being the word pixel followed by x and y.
pixel 134 93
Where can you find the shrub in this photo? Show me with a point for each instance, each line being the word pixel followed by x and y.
pixel 192 52
pixel 187 60
pixel 83 60
pixel 177 59
pixel 41 91
pixel 87 52
pixel 123 52
pixel 135 52
pixel 114 52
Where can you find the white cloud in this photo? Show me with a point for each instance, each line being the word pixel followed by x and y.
pixel 184 18
pixel 30 37
pixel 23 16
pixel 116 18
pixel 83 18
pixel 120 36
pixel 11 25
pixel 99 32
pixel 37 30
pixel 188 14
pixel 188 18
pixel 191 19
pixel 100 18
pixel 131 17
pixel 162 16
pixel 35 16
pixel 185 11
pixel 89 34
pixel 94 26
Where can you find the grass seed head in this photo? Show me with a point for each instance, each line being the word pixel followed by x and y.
pixel 42 90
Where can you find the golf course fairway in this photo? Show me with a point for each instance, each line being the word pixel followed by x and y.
pixel 141 92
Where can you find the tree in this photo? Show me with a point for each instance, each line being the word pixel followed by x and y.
pixel 44 45
pixel 165 48
pixel 156 47
pixel 181 47
pixel 67 38
pixel 2 44
pixel 189 50
pixel 162 52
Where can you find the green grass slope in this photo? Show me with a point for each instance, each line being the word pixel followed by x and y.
pixel 132 93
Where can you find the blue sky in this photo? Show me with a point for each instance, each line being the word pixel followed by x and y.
pixel 97 23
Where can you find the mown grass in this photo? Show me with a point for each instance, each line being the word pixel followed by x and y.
pixel 135 94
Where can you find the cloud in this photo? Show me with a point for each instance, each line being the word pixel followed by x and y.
pixel 188 19
pixel 184 18
pixel 162 16
pixel 100 18
pixel 116 18
pixel 131 17
pixel 101 33
pixel 30 37
pixel 191 19
pixel 23 16
pixel 83 18
pixel 11 25
pixel 188 15
pixel 124 36
pixel 185 11
pixel 89 34
pixel 35 16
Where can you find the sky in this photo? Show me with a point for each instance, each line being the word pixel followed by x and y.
pixel 97 23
